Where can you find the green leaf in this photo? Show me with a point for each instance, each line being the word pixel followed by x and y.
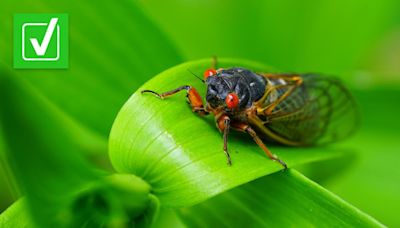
pixel 118 200
pixel 61 188
pixel 110 56
pixel 180 154
pixel 68 112
pixel 17 215
pixel 9 192
pixel 42 153
pixel 285 198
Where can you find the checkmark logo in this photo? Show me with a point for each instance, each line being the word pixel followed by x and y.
pixel 40 49
pixel 40 41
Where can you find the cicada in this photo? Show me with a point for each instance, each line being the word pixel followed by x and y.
pixel 286 108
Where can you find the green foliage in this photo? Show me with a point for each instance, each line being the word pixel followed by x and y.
pixel 286 198
pixel 172 171
pixel 16 216
pixel 49 118
pixel 192 171
pixel 61 188
pixel 47 151
pixel 108 59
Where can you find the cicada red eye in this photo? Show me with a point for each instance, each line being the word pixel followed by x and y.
pixel 232 100
pixel 209 72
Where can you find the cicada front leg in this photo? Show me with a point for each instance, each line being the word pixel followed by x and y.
pixel 194 98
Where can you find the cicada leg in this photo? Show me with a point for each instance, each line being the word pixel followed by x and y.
pixel 194 98
pixel 246 128
pixel 294 82
pixel 263 147
pixel 223 124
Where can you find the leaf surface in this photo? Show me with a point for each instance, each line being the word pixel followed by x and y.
pixel 285 198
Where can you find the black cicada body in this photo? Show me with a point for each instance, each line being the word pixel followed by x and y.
pixel 291 109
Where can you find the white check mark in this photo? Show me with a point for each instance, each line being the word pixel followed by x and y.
pixel 41 49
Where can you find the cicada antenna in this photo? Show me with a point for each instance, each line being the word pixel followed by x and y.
pixel 202 80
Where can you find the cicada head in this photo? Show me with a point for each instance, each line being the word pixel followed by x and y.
pixel 234 89
pixel 219 95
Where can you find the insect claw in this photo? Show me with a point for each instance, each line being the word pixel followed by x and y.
pixel 282 163
pixel 228 158
pixel 275 158
pixel 228 161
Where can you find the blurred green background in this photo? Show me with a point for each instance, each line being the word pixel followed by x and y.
pixel 356 40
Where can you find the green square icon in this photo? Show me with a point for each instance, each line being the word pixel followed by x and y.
pixel 40 41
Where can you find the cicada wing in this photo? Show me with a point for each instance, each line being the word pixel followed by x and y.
pixel 319 110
